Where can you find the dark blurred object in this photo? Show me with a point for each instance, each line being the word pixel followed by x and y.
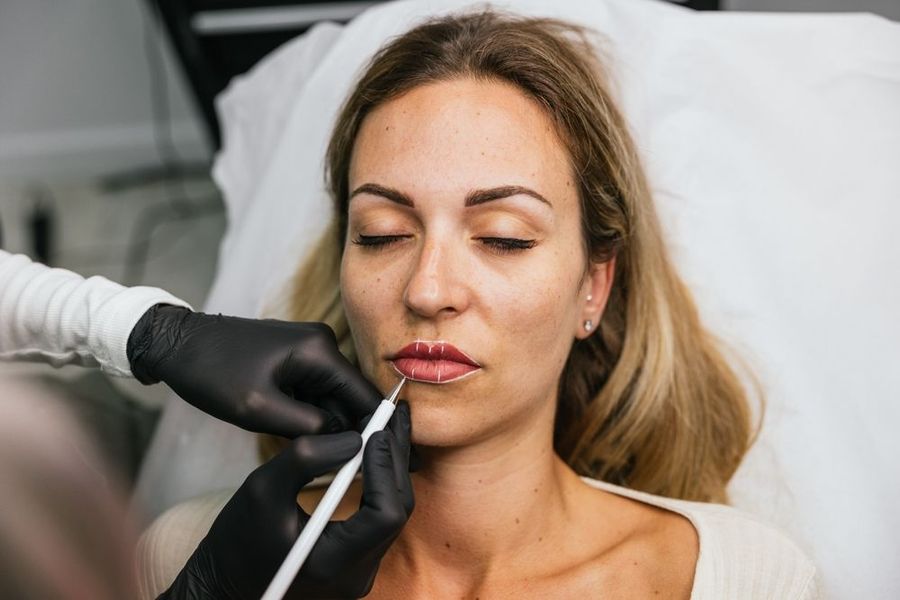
pixel 64 532
pixel 218 39
pixel 699 4
pixel 41 225
pixel 119 425
pixel 125 181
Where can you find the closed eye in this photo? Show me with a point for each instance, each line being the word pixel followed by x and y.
pixel 499 245
pixel 378 241
pixel 507 245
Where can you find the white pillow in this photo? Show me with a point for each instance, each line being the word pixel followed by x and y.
pixel 773 146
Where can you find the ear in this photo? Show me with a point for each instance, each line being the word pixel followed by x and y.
pixel 594 294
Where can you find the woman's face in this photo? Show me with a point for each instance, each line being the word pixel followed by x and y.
pixel 464 234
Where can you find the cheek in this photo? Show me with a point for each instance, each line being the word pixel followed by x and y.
pixel 360 298
pixel 370 300
pixel 536 312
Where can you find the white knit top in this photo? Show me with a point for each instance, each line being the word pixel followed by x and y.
pixel 59 317
pixel 740 558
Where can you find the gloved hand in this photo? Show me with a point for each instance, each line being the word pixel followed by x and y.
pixel 256 529
pixel 266 376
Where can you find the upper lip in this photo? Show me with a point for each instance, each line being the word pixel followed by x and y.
pixel 434 350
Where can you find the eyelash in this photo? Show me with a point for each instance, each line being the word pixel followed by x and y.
pixel 508 245
pixel 497 244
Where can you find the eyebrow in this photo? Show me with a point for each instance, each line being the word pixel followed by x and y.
pixel 473 198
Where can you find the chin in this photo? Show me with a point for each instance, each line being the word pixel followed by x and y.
pixel 439 424
pixel 452 425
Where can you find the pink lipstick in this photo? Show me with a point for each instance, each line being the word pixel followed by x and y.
pixel 433 362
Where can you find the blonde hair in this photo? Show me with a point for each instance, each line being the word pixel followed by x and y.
pixel 649 400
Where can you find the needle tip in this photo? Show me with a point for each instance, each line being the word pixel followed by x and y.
pixel 395 393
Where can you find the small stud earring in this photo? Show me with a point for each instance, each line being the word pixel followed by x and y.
pixel 588 325
pixel 590 297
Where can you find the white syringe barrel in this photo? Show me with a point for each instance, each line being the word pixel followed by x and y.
pixel 325 509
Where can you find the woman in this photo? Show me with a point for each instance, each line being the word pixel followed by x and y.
pixel 495 241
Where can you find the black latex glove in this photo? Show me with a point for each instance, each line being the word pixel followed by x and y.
pixel 256 529
pixel 267 376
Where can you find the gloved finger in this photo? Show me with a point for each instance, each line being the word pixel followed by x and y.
pixel 399 454
pixel 365 421
pixel 303 460
pixel 336 417
pixel 273 411
pixel 415 459
pixel 401 473
pixel 408 449
pixel 323 376
pixel 400 427
pixel 381 513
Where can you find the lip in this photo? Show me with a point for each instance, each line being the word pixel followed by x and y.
pixel 436 361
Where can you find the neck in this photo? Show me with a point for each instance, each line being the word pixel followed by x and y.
pixel 484 507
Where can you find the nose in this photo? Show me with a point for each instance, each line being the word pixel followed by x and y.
pixel 435 287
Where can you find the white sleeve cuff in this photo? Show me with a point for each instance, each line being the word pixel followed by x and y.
pixel 119 314
pixel 58 317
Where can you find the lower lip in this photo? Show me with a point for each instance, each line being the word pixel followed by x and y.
pixel 433 371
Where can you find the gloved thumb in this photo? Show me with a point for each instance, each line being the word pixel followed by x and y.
pixel 306 458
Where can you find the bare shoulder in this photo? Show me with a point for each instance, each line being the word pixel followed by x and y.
pixel 670 546
pixel 654 556
pixel 736 553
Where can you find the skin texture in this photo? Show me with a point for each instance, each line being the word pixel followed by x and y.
pixel 498 514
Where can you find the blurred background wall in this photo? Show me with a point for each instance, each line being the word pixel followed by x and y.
pixel 80 79
pixel 886 8
pixel 103 170
pixel 79 82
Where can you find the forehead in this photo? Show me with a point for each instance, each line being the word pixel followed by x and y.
pixel 458 135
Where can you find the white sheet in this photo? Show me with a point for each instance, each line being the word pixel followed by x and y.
pixel 773 146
